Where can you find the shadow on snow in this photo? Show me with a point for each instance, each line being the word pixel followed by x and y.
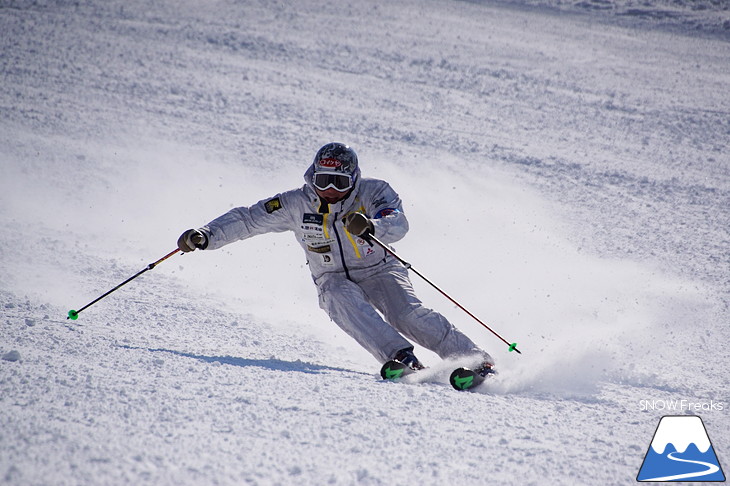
pixel 270 363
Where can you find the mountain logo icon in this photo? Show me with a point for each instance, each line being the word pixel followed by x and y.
pixel 681 451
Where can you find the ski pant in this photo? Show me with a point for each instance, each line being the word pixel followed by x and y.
pixel 353 304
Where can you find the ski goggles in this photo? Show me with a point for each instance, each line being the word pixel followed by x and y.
pixel 335 180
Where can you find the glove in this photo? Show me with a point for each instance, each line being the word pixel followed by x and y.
pixel 359 225
pixel 192 239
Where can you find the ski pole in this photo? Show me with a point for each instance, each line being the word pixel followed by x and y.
pixel 74 314
pixel 512 346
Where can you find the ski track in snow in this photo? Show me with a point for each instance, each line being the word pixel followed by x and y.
pixel 565 169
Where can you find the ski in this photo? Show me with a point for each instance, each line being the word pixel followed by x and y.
pixel 395 370
pixel 461 379
pixel 465 379
pixel 468 379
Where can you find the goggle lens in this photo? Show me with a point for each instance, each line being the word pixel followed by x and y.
pixel 325 180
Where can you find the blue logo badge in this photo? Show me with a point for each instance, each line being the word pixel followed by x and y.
pixel 681 451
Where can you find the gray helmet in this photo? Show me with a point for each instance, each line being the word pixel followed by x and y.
pixel 336 157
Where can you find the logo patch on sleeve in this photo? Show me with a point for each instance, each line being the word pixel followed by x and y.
pixel 273 205
pixel 385 212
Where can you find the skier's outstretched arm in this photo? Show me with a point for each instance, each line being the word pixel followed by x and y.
pixel 270 215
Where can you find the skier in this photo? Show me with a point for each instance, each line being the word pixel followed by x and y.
pixel 332 216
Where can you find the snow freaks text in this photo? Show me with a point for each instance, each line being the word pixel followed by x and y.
pixel 681 405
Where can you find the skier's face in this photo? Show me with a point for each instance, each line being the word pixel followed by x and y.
pixel 331 195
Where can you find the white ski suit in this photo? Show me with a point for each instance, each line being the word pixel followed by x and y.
pixel 353 278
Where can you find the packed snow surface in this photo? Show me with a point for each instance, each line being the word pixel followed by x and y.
pixel 564 166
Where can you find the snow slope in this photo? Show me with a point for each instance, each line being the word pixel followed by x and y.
pixel 565 169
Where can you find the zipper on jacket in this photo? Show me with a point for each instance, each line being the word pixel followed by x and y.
pixel 339 245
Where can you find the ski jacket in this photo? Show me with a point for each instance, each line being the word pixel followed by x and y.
pixel 318 226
